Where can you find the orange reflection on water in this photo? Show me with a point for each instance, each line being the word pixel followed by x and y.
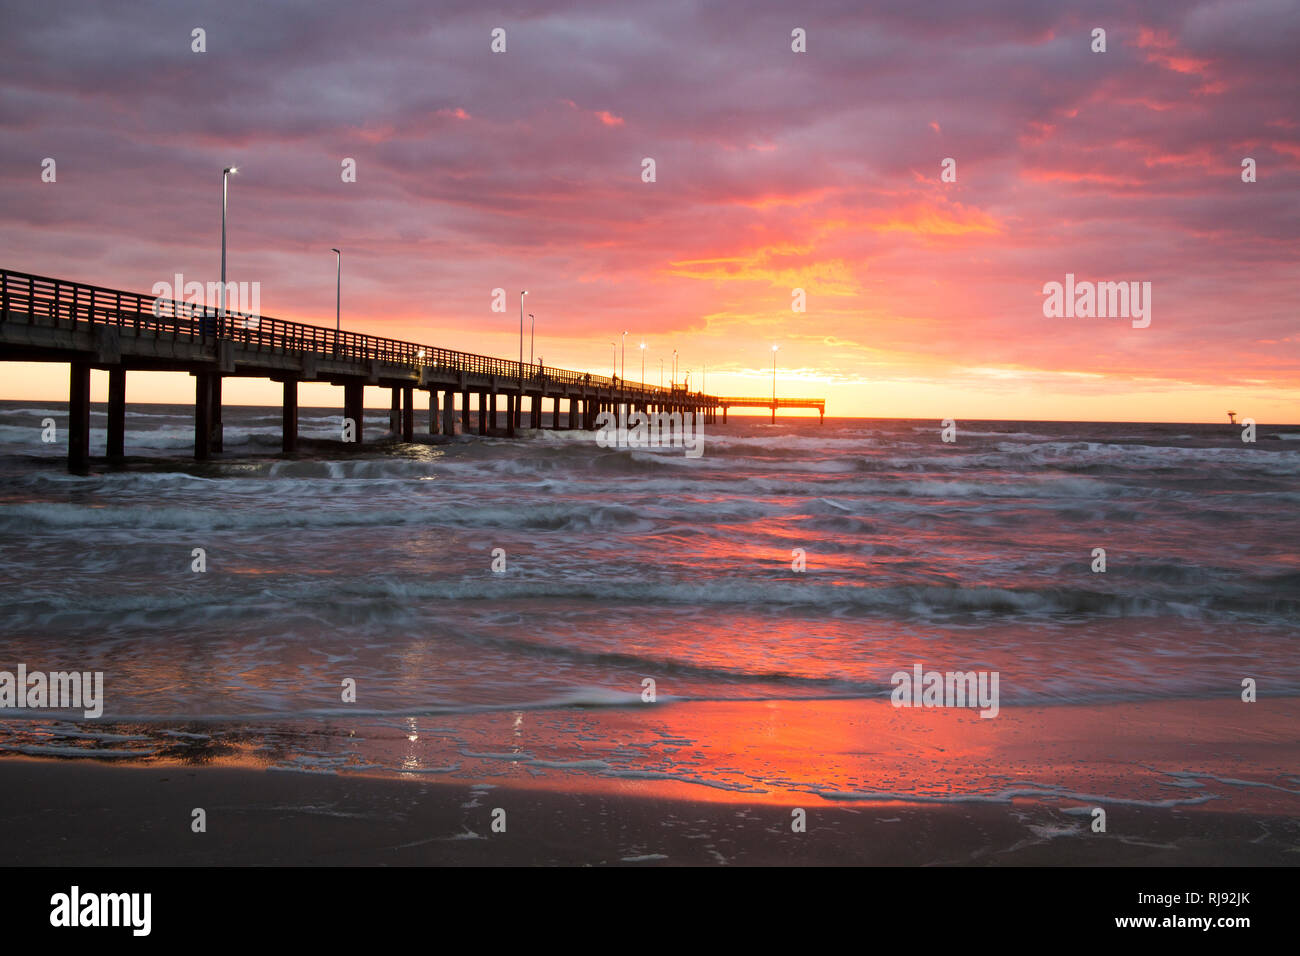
pixel 790 752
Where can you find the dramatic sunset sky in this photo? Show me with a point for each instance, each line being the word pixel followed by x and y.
pixel 775 170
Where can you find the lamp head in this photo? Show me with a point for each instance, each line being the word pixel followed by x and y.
pixel 231 169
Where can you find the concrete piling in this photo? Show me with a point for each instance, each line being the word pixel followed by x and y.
pixel 289 417
pixel 354 407
pixel 116 414
pixel 79 418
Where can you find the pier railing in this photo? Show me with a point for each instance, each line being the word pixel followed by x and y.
pixel 71 304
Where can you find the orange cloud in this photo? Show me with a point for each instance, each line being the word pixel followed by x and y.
pixel 784 265
pixel 928 220
pixel 605 116
pixel 791 199
pixel 1157 43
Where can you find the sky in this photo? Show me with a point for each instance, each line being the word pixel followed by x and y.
pixel 774 171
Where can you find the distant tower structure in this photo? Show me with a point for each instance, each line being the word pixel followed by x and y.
pixel 1232 418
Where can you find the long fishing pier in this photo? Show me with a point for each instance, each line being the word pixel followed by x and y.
pixel 89 327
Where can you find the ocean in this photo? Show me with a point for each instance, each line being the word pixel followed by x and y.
pixel 545 611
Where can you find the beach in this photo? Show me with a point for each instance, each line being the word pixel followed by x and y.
pixel 946 791
pixel 69 813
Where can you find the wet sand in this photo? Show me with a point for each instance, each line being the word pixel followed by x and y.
pixel 1182 783
pixel 62 813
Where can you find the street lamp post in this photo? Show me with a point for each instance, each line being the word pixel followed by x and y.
pixel 225 192
pixel 532 336
pixel 661 373
pixel 521 332
pixel 624 363
pixel 673 383
pixel 614 347
pixel 642 363
pixel 338 294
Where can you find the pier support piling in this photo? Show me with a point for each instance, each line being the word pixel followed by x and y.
pixel 449 412
pixel 202 415
pixel 289 418
pixel 354 407
pixel 79 419
pixel 116 414
pixel 408 413
pixel 218 430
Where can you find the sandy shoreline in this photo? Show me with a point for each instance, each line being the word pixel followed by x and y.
pixel 61 813
pixel 1183 783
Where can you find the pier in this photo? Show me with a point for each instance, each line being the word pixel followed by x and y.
pixel 44 319
pixel 773 404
